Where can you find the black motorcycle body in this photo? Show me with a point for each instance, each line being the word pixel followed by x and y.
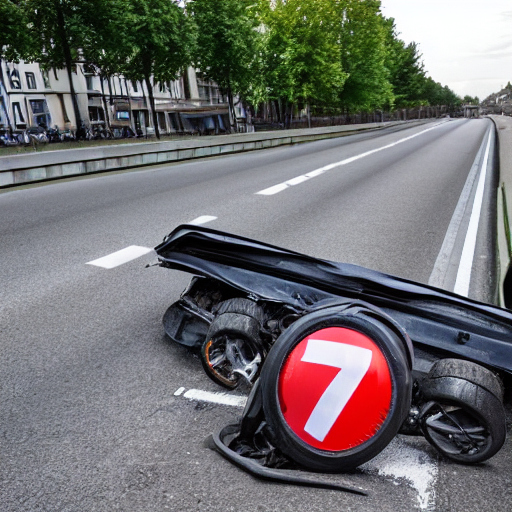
pixel 258 312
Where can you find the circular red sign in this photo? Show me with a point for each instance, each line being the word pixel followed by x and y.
pixel 335 389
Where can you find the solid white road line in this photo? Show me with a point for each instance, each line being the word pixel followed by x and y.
pixel 468 252
pixel 312 174
pixel 120 257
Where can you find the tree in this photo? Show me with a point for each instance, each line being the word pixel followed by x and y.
pixel 227 44
pixel 362 37
pixel 14 42
pixel 406 71
pixel 160 41
pixel 469 100
pixel 302 55
pixel 58 31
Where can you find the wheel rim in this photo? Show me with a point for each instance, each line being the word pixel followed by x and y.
pixel 454 430
pixel 230 359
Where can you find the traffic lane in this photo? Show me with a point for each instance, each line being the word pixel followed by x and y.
pixel 136 208
pixel 389 211
pixel 95 421
pixel 108 302
pixel 41 205
pixel 90 420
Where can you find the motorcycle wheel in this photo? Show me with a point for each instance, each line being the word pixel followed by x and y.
pixel 336 414
pixel 463 418
pixel 233 351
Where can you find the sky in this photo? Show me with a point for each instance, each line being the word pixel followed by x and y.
pixel 466 44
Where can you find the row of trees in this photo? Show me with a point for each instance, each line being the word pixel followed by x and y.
pixel 339 55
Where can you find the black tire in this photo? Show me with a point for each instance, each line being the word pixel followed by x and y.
pixel 233 350
pixel 463 418
pixel 394 355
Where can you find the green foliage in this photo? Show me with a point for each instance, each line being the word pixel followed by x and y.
pixel 159 43
pixel 158 38
pixel 227 42
pixel 332 53
pixel 14 42
pixel 469 100
pixel 301 55
pixel 363 33
pixel 406 72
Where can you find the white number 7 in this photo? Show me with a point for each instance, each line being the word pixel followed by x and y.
pixel 353 363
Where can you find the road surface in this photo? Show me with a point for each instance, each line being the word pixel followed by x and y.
pixel 96 413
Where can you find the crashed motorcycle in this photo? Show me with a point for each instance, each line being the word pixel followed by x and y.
pixel 339 358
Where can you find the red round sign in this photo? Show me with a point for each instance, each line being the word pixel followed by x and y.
pixel 335 389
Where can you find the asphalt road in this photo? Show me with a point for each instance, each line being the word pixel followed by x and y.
pixel 93 414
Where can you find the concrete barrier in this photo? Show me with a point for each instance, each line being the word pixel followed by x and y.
pixel 504 135
pixel 47 165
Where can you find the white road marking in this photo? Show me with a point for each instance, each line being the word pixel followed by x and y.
pixel 203 219
pixel 468 252
pixel 216 398
pixel 401 461
pixel 136 251
pixel 275 189
pixel 440 276
pixel 120 257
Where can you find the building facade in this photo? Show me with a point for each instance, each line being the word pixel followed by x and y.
pixel 30 96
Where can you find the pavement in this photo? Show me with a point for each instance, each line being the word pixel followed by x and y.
pixel 504 221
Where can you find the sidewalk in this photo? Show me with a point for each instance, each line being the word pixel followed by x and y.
pixel 504 133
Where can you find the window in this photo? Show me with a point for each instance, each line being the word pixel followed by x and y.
pixel 204 92
pixel 122 115
pixel 14 79
pixel 37 106
pixel 88 81
pixel 41 115
pixel 18 115
pixel 31 80
pixel 96 114
pixel 134 85
pixel 161 121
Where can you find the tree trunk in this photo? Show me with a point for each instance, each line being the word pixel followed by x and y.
pixel 232 110
pixel 105 106
pixel 68 62
pixel 152 104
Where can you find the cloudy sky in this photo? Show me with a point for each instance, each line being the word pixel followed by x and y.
pixel 466 44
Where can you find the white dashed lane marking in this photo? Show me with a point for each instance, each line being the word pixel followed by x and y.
pixel 136 251
pixel 120 257
pixel 275 189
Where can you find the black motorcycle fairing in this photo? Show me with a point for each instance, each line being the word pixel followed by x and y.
pixel 434 319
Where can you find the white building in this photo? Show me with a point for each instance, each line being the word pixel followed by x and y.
pixel 30 97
